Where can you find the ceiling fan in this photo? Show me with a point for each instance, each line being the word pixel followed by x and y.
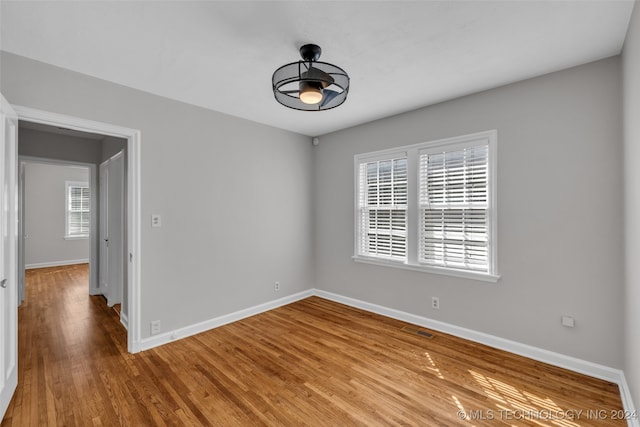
pixel 310 85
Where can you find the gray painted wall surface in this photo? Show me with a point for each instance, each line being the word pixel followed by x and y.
pixel 45 215
pixel 235 196
pixel 111 146
pixel 559 213
pixel 631 73
pixel 59 147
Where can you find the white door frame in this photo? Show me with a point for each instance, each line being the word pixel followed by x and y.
pixel 21 234
pixel 93 234
pixel 9 291
pixel 133 137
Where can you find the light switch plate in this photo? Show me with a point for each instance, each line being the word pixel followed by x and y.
pixel 156 220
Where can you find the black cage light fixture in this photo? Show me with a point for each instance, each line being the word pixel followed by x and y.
pixel 310 85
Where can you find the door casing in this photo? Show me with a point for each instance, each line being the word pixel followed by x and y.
pixel 133 137
pixel 8 254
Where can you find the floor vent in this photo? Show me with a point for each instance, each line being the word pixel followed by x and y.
pixel 418 331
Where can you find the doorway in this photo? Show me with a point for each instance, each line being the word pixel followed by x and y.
pixel 61 198
pixel 55 199
pixel 131 295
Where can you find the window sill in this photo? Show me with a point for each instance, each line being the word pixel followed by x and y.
pixel 427 269
pixel 76 237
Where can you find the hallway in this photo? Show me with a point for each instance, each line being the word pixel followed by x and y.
pixel 78 339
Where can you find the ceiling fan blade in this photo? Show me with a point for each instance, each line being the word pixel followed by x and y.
pixel 289 91
pixel 328 96
pixel 319 75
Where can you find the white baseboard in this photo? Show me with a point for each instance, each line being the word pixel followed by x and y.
pixel 627 402
pixel 167 337
pixel 556 359
pixel 56 263
pixel 124 320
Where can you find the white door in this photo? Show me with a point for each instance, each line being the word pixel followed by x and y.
pixel 116 228
pixel 8 252
pixel 103 270
pixel 112 228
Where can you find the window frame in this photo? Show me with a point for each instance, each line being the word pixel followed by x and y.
pixel 412 153
pixel 398 156
pixel 67 199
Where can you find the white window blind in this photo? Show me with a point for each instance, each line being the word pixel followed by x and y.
pixel 382 208
pixel 78 209
pixel 430 207
pixel 454 208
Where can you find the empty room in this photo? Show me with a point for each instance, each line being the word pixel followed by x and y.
pixel 322 213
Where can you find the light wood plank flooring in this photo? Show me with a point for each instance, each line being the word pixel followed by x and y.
pixel 313 363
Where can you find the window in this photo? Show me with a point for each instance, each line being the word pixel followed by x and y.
pixel 78 212
pixel 430 207
pixel 453 208
pixel 383 208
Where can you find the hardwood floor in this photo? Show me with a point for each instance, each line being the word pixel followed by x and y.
pixel 313 362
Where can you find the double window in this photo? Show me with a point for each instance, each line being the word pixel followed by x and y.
pixel 78 209
pixel 430 207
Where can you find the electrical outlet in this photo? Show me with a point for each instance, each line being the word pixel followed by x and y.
pixel 155 327
pixel 435 303
pixel 568 321
pixel 276 287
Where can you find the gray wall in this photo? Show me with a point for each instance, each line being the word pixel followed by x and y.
pixel 45 216
pixel 111 146
pixel 559 214
pixel 631 80
pixel 235 196
pixel 58 147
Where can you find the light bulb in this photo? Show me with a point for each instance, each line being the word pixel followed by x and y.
pixel 310 92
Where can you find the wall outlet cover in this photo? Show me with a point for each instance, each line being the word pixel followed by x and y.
pixel 568 321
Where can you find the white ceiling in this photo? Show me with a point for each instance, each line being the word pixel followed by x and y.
pixel 400 55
